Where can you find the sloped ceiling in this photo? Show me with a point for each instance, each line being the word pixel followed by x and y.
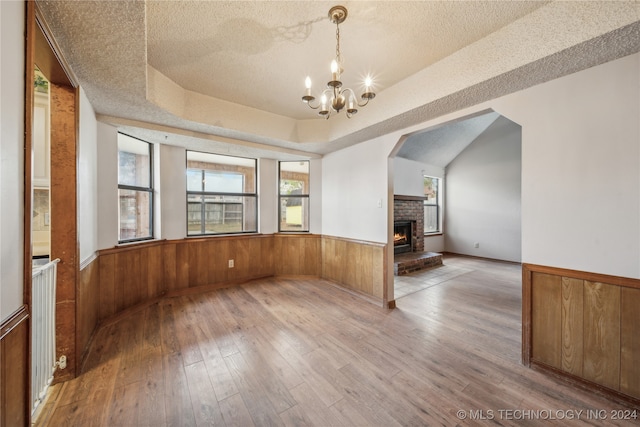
pixel 228 76
pixel 441 145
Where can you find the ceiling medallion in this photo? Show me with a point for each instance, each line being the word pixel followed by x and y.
pixel 335 98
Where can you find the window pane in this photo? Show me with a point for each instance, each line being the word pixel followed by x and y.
pixel 294 214
pixel 431 189
pixel 194 180
pixel 134 162
pixel 223 182
pixel 135 214
pixel 194 215
pixel 230 214
pixel 431 223
pixel 294 178
pixel 232 174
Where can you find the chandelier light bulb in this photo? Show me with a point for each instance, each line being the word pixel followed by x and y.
pixel 367 82
pixel 307 82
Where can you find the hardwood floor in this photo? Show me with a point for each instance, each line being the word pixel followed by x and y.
pixel 304 352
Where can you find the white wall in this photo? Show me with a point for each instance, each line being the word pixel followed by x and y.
pixel 173 187
pixel 408 181
pixel 483 195
pixel 315 196
pixel 12 19
pixel 268 204
pixel 355 191
pixel 581 169
pixel 107 171
pixel 87 181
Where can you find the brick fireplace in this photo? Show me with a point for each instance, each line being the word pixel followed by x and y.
pixel 411 208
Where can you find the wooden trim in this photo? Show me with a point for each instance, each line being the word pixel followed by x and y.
pixel 526 316
pixel 28 147
pixel 17 317
pixel 361 242
pixel 134 246
pixel 626 282
pixel 391 304
pixel 62 73
pixel 586 384
pixel 409 198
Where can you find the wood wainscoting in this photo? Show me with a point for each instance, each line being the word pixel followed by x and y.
pixel 14 370
pixel 355 264
pixel 584 326
pixel 298 255
pixel 131 276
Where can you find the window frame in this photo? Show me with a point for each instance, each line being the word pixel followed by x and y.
pixel 437 204
pixel 302 197
pixel 204 194
pixel 149 190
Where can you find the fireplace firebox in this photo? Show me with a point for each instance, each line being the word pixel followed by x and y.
pixel 402 237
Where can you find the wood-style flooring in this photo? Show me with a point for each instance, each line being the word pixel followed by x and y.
pixel 304 352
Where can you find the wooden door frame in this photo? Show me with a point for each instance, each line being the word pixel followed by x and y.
pixel 41 49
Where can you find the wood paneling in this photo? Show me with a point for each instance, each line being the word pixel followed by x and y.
pixel 572 325
pixel 297 255
pixel 14 370
pixel 546 311
pixel 599 327
pixel 88 307
pixel 602 333
pixel 64 229
pixel 630 341
pixel 354 264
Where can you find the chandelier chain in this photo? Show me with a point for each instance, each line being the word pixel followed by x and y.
pixel 338 58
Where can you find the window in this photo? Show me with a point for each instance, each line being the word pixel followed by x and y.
pixel 431 205
pixel 221 194
pixel 294 196
pixel 135 189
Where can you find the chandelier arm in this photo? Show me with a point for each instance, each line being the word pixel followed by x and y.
pixel 311 106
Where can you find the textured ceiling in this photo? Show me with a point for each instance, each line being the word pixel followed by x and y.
pixel 228 76
pixel 441 145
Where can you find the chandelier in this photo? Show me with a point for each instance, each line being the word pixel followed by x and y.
pixel 335 98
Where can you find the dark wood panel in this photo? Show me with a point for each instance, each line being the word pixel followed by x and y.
pixel 630 341
pixel 546 313
pixel 107 278
pixel 572 325
pixel 602 334
pixel 88 307
pixel 14 369
pixel 63 210
pixel 182 265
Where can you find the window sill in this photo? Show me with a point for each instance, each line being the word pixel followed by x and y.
pixel 433 234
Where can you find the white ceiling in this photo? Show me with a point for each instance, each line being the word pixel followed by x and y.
pixel 228 76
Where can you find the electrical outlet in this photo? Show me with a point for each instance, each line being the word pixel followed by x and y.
pixel 476 245
pixel 231 263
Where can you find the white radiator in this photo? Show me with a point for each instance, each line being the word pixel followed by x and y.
pixel 43 330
